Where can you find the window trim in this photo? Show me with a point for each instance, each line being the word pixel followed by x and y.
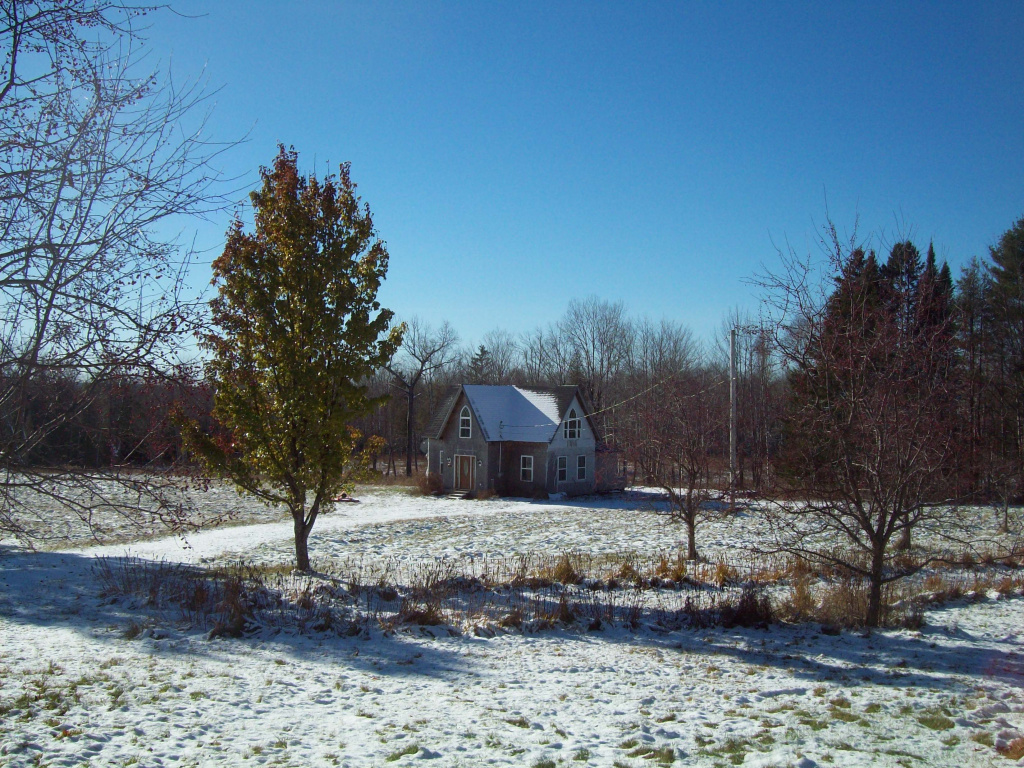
pixel 562 468
pixel 526 467
pixel 572 427
pixel 581 467
pixel 465 423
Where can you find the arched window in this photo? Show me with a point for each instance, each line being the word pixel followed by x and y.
pixel 572 425
pixel 465 423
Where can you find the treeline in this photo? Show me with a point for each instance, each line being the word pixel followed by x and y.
pixel 660 395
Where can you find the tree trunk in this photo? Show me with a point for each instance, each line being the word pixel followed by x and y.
pixel 874 615
pixel 691 539
pixel 301 541
pixel 408 431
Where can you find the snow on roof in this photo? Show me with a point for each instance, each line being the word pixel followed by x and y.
pixel 509 413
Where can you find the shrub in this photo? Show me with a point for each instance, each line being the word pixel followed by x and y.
pixel 752 609
pixel 675 569
pixel 724 574
pixel 568 569
pixel 430 484
pixel 844 603
pixel 800 605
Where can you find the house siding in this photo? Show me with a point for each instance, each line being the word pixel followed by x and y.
pixel 584 445
pixel 511 482
pixel 451 445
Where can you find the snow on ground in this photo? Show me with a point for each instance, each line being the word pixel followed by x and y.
pixel 75 690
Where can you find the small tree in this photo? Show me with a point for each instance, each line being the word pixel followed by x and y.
pixel 683 433
pixel 299 331
pixel 870 430
pixel 424 352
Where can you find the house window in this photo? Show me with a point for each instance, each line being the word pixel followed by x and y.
pixel 563 465
pixel 526 469
pixel 581 467
pixel 465 423
pixel 572 426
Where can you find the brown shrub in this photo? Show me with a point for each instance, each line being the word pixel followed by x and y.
pixel 844 603
pixel 672 569
pixel 724 574
pixel 1014 750
pixel 800 605
pixel 568 569
pixel 753 608
pixel 430 485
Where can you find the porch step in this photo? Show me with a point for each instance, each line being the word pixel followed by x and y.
pixel 456 495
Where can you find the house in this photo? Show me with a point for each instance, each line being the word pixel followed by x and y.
pixel 519 442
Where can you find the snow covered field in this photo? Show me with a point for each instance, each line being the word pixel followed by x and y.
pixel 75 690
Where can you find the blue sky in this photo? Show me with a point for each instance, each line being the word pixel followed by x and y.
pixel 517 155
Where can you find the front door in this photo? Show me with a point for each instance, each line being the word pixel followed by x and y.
pixel 464 473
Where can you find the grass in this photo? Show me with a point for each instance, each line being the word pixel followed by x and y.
pixel 985 739
pixel 412 749
pixel 1014 750
pixel 660 755
pixel 936 721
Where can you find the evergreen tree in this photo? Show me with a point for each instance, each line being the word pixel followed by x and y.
pixel 298 332
pixel 870 431
pixel 1006 303
pixel 902 272
pixel 480 367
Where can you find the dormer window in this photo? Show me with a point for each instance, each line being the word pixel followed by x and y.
pixel 572 425
pixel 465 423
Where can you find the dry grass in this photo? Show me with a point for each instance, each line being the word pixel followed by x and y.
pixel 526 593
pixel 1014 750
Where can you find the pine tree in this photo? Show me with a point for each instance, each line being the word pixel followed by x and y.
pixel 1005 299
pixel 480 367
pixel 870 431
pixel 298 331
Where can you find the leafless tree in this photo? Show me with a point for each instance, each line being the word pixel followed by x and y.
pixel 425 351
pixel 870 426
pixel 673 427
pixel 595 337
pixel 98 161
pixel 504 356
pixel 760 391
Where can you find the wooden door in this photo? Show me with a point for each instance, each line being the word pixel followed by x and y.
pixel 464 479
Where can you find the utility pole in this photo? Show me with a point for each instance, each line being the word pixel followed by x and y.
pixel 732 418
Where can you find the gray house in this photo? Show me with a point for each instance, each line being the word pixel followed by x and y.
pixel 519 442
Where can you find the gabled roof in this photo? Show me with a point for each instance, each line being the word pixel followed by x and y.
pixel 443 410
pixel 510 414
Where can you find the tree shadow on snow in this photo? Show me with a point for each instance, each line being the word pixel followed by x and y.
pixel 931 659
pixel 50 590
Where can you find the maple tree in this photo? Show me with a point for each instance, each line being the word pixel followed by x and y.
pixel 297 333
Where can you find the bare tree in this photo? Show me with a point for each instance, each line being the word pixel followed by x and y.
pixel 870 426
pixel 98 160
pixel 595 337
pixel 424 352
pixel 505 358
pixel 675 427
pixel 760 390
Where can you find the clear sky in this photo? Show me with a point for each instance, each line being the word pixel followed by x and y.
pixel 516 155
